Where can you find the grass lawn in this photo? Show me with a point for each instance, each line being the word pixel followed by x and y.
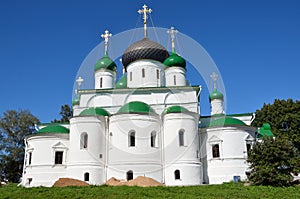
pixel 228 190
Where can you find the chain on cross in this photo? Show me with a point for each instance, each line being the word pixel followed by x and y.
pixel 106 37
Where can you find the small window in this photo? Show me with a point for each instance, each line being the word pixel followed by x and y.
pixel 130 76
pixel 174 80
pixel 101 82
pixel 58 157
pixel 143 72
pixel 131 138
pixel 248 145
pixel 181 137
pixel 153 139
pixel 177 174
pixel 86 177
pixel 29 158
pixel 129 175
pixel 84 141
pixel 216 151
pixel 157 73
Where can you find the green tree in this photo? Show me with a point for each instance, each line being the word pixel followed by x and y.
pixel 14 126
pixel 284 118
pixel 273 161
pixel 65 112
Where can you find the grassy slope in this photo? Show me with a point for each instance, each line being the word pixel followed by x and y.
pixel 208 191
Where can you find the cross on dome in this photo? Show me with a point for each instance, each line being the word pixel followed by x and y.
pixel 172 32
pixel 106 37
pixel 144 11
pixel 214 77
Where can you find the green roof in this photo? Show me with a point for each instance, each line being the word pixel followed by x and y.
pixel 136 107
pixel 54 129
pixel 265 131
pixel 94 111
pixel 216 95
pixel 122 83
pixel 226 121
pixel 75 101
pixel 175 109
pixel 105 63
pixel 175 60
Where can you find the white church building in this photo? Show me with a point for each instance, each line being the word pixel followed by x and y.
pixel 146 124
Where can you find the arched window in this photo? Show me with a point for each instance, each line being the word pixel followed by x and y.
pixel 216 151
pixel 101 82
pixel 174 80
pixel 83 141
pixel 29 158
pixel 143 72
pixel 131 138
pixel 157 73
pixel 86 176
pixel 130 76
pixel 181 137
pixel 153 139
pixel 177 174
pixel 129 175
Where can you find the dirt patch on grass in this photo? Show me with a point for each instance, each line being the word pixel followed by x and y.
pixel 64 182
pixel 139 181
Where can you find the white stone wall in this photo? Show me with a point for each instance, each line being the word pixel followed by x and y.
pixel 108 79
pixel 217 107
pixel 43 171
pixel 175 76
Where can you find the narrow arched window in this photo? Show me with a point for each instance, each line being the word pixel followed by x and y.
pixel 174 80
pixel 129 175
pixel 153 139
pixel 143 72
pixel 216 151
pixel 131 138
pixel 157 73
pixel 86 176
pixel 83 141
pixel 181 137
pixel 177 174
pixel 29 158
pixel 101 82
pixel 130 76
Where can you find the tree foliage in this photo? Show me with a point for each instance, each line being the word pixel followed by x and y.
pixel 284 118
pixel 14 126
pixel 65 112
pixel 273 160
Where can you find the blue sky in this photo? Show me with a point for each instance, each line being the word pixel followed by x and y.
pixel 255 45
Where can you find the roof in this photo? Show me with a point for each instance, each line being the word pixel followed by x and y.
pixel 53 129
pixel 226 121
pixel 144 49
pixel 265 131
pixel 175 60
pixel 94 111
pixel 175 109
pixel 216 95
pixel 122 83
pixel 136 107
pixel 105 63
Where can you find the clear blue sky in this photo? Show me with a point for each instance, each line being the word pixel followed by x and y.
pixel 255 44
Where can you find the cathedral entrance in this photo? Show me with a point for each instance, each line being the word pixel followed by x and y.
pixel 129 175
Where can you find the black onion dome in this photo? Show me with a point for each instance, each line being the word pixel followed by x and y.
pixel 144 49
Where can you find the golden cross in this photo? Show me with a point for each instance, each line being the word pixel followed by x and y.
pixel 144 11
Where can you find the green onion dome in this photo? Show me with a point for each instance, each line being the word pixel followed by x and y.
pixel 144 49
pixel 226 121
pixel 216 95
pixel 175 60
pixel 175 109
pixel 105 63
pixel 54 129
pixel 136 107
pixel 122 83
pixel 75 101
pixel 94 112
